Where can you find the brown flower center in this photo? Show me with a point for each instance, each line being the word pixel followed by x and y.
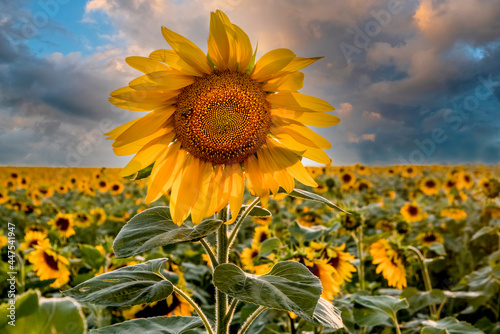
pixel 222 118
pixel 50 261
pixel 62 224
pixel 412 210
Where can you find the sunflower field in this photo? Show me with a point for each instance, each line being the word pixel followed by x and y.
pixel 413 249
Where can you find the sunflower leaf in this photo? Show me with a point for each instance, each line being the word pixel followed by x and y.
pixel 289 286
pixel 154 228
pixel 132 285
pixel 327 315
pixel 160 325
pixel 268 246
pixel 299 193
pixel 143 173
pixel 376 310
pixel 449 325
pixel 257 211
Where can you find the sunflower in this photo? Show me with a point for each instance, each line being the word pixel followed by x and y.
pixel 248 256
pixel 36 197
pixel 82 219
pixel 409 171
pixel 309 219
pixel 32 238
pixel 62 188
pixel 219 120
pixel 362 185
pixel 454 212
pixel 490 187
pixel 23 182
pixel 261 234
pixel 116 188
pixel 464 180
pixel 390 262
pixel 45 190
pixel 263 220
pixel 427 238
pixel 351 221
pixel 429 186
pixel 49 264
pixel 63 223
pixel 3 240
pixel 4 197
pixel 325 273
pixel 348 179
pixel 492 211
pixel 384 225
pixel 98 215
pixel 412 213
pixel 449 185
pixel 102 186
pixel 362 170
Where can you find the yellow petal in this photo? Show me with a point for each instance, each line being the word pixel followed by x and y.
pixel 141 100
pixel 267 172
pixel 270 63
pixel 147 155
pixel 293 81
pixel 202 206
pixel 289 160
pixel 187 51
pixel 218 182
pixel 279 168
pixel 113 134
pixel 308 118
pixel 243 48
pixel 146 125
pixel 297 101
pixel 255 179
pixel 135 146
pixel 301 133
pixel 236 191
pixel 164 170
pixel 184 196
pixel 218 42
pixel 173 60
pixel 146 65
pixel 162 81
pixel 315 154
pixel 299 63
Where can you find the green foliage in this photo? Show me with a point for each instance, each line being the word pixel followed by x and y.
pixel 156 325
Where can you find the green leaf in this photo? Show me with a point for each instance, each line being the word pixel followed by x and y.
pixel 303 233
pixel 299 193
pixel 48 316
pixel 154 228
pixel 144 173
pixel 269 245
pixel 327 315
pixel 421 299
pixel 157 325
pixel 257 211
pixel 25 304
pixel 92 256
pixel 451 325
pixel 289 286
pixel 437 248
pixel 483 231
pixel 133 285
pixel 376 310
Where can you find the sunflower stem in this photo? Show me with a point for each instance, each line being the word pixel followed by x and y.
pixel 425 274
pixel 240 220
pixel 213 260
pixel 230 311
pixel 196 308
pixel 251 318
pixel 222 257
pixel 359 244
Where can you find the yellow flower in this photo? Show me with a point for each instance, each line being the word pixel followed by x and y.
pixel 98 215
pixel 102 186
pixel 429 186
pixel 32 238
pixel 412 212
pixel 348 179
pixel 448 185
pixel 116 188
pixel 262 269
pixel 409 171
pixel 309 219
pixel 248 255
pixel 263 220
pixel 390 262
pixel 429 237
pixel 82 219
pixel 454 212
pixel 4 197
pixel 3 241
pixel 384 225
pixel 362 185
pixel 490 187
pixel 261 234
pixel 464 180
pixel 218 121
pixel 491 211
pixel 362 170
pixel 456 196
pixel 49 264
pixel 63 223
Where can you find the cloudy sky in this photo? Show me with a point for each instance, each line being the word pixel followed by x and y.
pixel 412 81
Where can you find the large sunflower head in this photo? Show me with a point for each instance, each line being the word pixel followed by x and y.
pixel 429 186
pixel 63 223
pixel 412 212
pixel 390 262
pixel 217 120
pixel 49 264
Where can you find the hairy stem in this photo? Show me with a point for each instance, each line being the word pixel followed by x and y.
pixel 222 257
pixel 251 319
pixel 425 274
pixel 240 220
pixel 196 308
pixel 213 260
